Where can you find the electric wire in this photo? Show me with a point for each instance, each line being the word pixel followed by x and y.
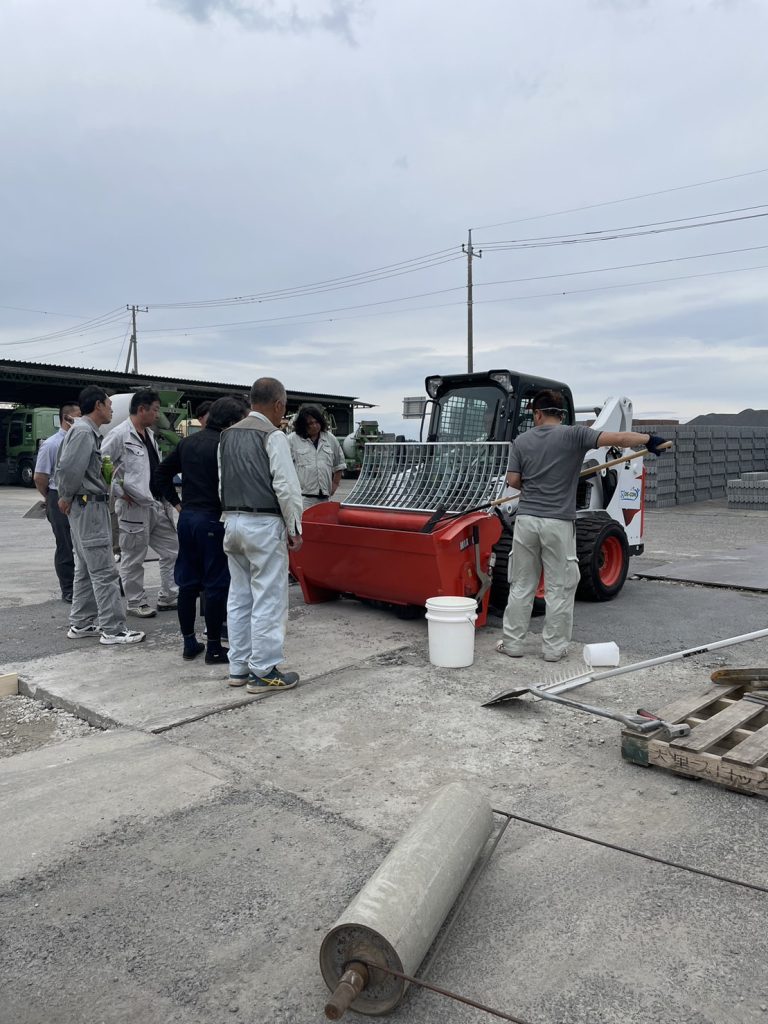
pixel 85 327
pixel 332 284
pixel 43 312
pixel 611 234
pixel 626 199
pixel 296 322
pixel 79 348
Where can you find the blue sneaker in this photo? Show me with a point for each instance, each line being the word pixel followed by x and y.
pixel 272 681
pixel 238 680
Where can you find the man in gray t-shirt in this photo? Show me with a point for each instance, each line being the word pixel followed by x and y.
pixel 544 463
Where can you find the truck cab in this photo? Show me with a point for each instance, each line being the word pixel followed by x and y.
pixel 22 431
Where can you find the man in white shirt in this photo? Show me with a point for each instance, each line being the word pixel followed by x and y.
pixel 262 507
pixel 45 482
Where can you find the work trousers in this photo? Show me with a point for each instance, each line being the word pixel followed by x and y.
pixel 201 568
pixel 96 589
pixel 257 608
pixel 64 559
pixel 548 545
pixel 142 527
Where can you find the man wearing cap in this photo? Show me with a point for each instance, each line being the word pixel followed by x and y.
pixel 544 463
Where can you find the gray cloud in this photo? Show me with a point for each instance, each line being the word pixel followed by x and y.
pixel 266 16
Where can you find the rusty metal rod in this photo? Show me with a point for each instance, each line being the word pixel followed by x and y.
pixel 446 992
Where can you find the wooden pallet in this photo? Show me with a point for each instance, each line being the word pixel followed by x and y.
pixel 727 745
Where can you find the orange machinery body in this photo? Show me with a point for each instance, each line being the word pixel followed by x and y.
pixel 379 555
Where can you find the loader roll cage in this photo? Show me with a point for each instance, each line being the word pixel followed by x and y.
pixel 490 406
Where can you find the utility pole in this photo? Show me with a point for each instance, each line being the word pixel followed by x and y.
pixel 471 254
pixel 133 347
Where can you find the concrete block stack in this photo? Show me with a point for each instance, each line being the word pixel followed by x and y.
pixel 749 492
pixel 703 462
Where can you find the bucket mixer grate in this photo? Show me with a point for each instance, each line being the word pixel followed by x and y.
pixel 416 477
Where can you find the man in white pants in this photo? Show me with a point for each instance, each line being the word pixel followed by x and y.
pixel 261 505
pixel 144 517
pixel 544 462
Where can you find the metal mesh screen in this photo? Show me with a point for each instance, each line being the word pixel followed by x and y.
pixel 425 477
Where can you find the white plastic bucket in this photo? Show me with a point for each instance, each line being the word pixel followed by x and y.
pixel 601 655
pixel 451 631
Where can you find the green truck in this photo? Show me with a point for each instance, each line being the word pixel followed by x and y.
pixel 22 431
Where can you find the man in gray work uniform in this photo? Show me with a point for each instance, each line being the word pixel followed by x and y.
pixel 97 608
pixel 544 462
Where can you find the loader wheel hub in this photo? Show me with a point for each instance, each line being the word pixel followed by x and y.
pixel 611 561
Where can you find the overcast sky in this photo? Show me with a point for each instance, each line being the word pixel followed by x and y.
pixel 175 151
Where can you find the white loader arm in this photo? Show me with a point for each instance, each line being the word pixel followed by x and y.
pixel 620 495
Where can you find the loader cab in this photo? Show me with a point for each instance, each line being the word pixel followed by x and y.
pixel 490 406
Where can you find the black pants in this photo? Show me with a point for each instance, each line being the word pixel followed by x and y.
pixel 201 570
pixel 64 559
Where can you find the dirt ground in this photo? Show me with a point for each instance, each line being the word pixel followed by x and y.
pixel 27 724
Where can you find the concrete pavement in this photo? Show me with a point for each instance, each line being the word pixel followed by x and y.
pixel 190 876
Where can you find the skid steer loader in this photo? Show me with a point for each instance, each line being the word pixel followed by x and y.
pixel 609 518
pixel 418 523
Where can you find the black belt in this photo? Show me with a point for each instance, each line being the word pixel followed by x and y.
pixel 83 499
pixel 258 511
pixel 322 497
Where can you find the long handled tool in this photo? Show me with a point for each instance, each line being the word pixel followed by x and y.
pixel 645 722
pixel 624 458
pixel 441 513
pixel 571 683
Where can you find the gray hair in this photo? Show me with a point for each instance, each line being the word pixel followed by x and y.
pixel 267 390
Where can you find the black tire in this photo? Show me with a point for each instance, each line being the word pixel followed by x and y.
pixel 27 473
pixel 499 581
pixel 603 553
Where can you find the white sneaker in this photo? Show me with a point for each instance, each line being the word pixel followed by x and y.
pixel 128 636
pixel 141 611
pixel 79 632
pixel 167 605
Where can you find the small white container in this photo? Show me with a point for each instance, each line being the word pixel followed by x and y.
pixel 451 624
pixel 601 655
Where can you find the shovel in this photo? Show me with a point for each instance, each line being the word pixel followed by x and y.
pixel 581 679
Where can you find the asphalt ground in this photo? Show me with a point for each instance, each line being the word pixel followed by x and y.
pixel 191 876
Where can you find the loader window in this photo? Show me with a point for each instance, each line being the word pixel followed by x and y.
pixel 469 415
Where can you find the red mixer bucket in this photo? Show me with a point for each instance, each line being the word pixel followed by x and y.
pixel 380 555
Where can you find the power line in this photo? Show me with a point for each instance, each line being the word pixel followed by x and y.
pixel 43 312
pixel 79 348
pixel 632 231
pixel 621 266
pixel 410 266
pixel 83 328
pixel 626 199
pixel 272 323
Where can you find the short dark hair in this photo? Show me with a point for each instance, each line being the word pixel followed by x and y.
pixel 88 398
pixel 145 397
pixel 202 409
pixel 65 408
pixel 266 390
pixel 309 412
pixel 548 401
pixel 226 411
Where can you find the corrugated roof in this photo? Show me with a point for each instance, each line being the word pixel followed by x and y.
pixel 157 379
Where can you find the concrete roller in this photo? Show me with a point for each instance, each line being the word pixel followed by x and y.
pixel 397 914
